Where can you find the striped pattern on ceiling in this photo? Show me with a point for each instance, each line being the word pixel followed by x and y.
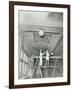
pixel 32 42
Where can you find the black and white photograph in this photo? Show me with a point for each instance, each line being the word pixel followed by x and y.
pixel 41 54
pixel 40 44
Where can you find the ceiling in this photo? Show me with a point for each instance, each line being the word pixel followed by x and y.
pixel 50 22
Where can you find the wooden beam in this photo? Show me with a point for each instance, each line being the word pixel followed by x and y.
pixel 25 62
pixel 56 44
pixel 35 67
pixel 54 68
pixel 40 71
pixel 36 28
pixel 27 76
pixel 52 32
pixel 53 57
pixel 49 66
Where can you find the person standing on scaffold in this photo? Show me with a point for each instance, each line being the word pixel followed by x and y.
pixel 41 58
pixel 47 57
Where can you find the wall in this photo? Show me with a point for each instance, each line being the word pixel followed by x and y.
pixel 51 19
pixel 4 46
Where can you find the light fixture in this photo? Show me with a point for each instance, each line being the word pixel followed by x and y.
pixel 41 32
pixel 52 54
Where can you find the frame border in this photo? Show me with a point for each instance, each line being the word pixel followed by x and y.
pixel 11 43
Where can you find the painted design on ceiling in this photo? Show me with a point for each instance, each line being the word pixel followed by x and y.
pixel 32 42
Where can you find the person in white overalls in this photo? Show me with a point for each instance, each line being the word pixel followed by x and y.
pixel 41 54
pixel 47 57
